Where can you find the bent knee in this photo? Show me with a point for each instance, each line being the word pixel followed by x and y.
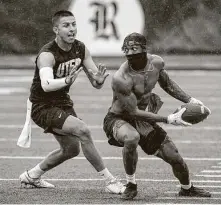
pixel 76 127
pixel 84 131
pixel 131 140
pixel 81 131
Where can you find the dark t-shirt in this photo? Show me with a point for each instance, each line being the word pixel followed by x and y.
pixel 63 62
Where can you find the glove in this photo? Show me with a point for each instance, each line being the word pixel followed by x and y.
pixel 195 101
pixel 175 118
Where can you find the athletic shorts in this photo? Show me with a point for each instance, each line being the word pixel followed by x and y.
pixel 49 117
pixel 151 134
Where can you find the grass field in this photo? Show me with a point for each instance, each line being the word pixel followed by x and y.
pixel 76 181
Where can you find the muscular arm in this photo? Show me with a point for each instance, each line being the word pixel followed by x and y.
pixel 45 64
pixel 171 87
pixel 128 101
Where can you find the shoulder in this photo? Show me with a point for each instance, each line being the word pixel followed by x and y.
pixel 157 61
pixel 49 47
pixel 79 43
pixel 80 47
pixel 46 55
pixel 45 59
pixel 47 50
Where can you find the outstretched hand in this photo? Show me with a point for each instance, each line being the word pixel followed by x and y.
pixel 100 76
pixel 175 118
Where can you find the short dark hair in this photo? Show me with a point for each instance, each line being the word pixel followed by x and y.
pixel 60 14
pixel 138 38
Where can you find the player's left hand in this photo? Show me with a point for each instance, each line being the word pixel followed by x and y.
pixel 195 101
pixel 176 119
pixel 74 72
pixel 100 76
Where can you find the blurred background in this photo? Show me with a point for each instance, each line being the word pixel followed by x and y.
pixel 171 26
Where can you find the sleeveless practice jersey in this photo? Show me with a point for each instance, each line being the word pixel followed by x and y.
pixel 63 62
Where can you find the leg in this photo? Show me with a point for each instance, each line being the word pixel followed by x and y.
pixel 75 127
pixel 169 153
pixel 127 135
pixel 69 148
pixel 64 122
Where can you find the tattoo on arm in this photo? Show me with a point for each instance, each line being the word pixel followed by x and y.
pixel 172 88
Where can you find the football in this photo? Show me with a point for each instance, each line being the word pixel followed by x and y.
pixel 194 113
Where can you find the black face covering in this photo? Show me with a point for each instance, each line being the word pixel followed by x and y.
pixel 137 61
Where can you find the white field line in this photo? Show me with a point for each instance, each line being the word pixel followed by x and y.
pixel 191 198
pixel 100 179
pixel 115 158
pixel 15 79
pixel 99 127
pixel 139 203
pixel 208 176
pixel 175 192
pixel 105 141
pixel 205 186
pixel 211 171
pixel 7 91
pixel 218 167
pixel 99 100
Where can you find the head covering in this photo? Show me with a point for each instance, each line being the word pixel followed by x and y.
pixel 134 39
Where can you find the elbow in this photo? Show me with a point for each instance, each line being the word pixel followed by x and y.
pixel 130 111
pixel 133 112
pixel 45 88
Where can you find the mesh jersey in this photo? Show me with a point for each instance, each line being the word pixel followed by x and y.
pixel 63 62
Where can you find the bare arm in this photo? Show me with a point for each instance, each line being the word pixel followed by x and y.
pixel 172 88
pixel 128 101
pixel 95 74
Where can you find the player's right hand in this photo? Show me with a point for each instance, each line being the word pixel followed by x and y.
pixel 195 101
pixel 175 118
pixel 101 75
pixel 75 70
